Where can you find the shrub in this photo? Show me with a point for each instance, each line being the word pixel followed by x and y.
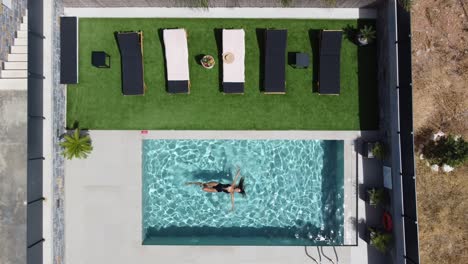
pixel 380 240
pixel 330 3
pixel 447 150
pixel 204 3
pixel 377 196
pixel 286 3
pixel 379 150
pixel 76 145
pixel 406 4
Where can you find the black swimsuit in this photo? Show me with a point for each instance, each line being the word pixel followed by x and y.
pixel 221 187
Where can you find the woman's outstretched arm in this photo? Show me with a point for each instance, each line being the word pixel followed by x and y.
pixel 235 178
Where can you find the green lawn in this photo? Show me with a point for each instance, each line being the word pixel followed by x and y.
pixel 97 101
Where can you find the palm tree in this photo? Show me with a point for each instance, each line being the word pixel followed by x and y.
pixel 76 145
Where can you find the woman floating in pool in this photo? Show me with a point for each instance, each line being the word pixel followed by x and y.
pixel 226 188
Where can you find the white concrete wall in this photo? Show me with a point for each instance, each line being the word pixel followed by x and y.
pixel 298 13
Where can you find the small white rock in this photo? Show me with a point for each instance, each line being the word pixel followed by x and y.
pixel 435 167
pixel 447 168
pixel 421 156
pixel 437 135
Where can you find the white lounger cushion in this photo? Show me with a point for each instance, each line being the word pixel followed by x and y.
pixel 234 42
pixel 175 44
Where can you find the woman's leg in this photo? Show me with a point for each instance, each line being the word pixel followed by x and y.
pixel 195 183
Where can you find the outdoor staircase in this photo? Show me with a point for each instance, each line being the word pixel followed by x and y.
pixel 14 71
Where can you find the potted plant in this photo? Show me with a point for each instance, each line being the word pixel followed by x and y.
pixel 366 35
pixel 208 61
pixel 380 240
pixel 76 145
pixel 379 150
pixel 376 196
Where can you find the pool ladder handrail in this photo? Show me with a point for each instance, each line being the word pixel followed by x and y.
pixel 320 253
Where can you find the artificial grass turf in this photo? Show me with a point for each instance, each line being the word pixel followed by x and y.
pixel 97 101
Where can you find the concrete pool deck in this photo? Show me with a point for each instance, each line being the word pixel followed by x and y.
pixel 103 207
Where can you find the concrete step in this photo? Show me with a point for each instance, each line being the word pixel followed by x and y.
pixel 13 84
pixel 24 26
pixel 17 57
pixel 19 49
pixel 13 74
pixel 22 34
pixel 20 42
pixel 25 19
pixel 13 65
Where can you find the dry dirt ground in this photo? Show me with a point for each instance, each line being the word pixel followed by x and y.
pixel 440 81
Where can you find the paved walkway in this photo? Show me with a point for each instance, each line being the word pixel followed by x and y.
pixel 13 177
pixel 302 13
pixel 103 201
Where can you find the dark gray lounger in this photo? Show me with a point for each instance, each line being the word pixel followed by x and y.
pixel 275 61
pixel 329 68
pixel 68 50
pixel 130 46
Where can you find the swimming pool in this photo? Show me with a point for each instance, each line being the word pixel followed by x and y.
pixel 294 192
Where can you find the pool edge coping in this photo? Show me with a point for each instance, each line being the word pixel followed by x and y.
pixel 350 213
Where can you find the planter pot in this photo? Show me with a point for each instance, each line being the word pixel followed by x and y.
pixel 387 222
pixel 361 40
pixel 208 62
pixel 367 150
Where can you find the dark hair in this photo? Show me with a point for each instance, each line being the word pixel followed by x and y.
pixel 241 186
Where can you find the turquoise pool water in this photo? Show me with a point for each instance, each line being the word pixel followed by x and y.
pixel 294 192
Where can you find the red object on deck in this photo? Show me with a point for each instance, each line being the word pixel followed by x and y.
pixel 144 132
pixel 387 221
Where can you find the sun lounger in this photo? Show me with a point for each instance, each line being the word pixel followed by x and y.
pixel 233 61
pixel 131 52
pixel 329 68
pixel 275 61
pixel 176 50
pixel 68 50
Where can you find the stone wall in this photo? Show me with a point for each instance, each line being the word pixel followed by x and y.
pixel 219 3
pixel 10 20
pixel 58 129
